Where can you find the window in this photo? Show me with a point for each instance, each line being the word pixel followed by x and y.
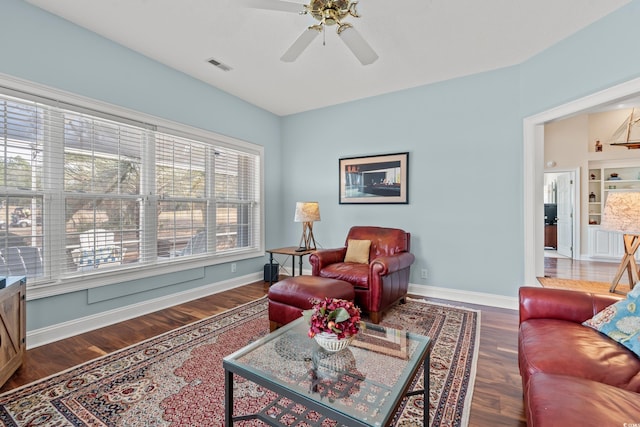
pixel 86 192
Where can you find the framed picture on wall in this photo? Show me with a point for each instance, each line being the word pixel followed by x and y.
pixel 374 179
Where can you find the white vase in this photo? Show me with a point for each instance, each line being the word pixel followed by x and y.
pixel 330 342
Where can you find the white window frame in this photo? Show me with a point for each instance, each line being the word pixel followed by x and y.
pixel 36 92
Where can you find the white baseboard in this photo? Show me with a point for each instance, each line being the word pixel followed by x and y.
pixel 470 297
pixel 68 329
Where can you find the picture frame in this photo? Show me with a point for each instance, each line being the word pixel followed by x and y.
pixel 380 340
pixel 375 179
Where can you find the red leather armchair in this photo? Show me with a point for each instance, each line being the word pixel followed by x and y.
pixel 380 283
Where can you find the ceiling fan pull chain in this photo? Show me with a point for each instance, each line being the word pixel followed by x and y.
pixel 324 35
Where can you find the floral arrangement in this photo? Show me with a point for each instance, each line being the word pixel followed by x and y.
pixel 333 315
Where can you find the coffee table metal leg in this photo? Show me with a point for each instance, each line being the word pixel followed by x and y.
pixel 228 398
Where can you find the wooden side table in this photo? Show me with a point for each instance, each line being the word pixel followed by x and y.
pixel 291 251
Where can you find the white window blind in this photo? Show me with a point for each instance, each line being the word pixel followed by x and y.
pixel 102 161
pixel 236 197
pixel 181 181
pixel 84 193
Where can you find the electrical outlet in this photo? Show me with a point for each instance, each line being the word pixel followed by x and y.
pixel 423 273
pixel 233 267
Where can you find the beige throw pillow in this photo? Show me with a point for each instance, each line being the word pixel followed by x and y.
pixel 358 251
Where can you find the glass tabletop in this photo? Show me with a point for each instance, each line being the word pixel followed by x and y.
pixel 364 382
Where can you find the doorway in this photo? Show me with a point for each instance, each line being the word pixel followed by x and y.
pixel 533 150
pixel 560 213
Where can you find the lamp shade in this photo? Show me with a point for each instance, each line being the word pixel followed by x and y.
pixel 307 212
pixel 622 212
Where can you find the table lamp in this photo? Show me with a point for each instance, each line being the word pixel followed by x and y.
pixel 307 213
pixel 622 214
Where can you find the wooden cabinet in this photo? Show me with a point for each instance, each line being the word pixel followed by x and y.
pixel 12 326
pixel 607 245
pixel 551 236
pixel 601 243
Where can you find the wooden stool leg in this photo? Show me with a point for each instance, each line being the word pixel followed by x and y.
pixel 631 244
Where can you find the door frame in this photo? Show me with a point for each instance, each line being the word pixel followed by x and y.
pixel 533 170
pixel 576 215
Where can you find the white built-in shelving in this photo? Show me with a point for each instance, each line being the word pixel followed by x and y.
pixel 604 180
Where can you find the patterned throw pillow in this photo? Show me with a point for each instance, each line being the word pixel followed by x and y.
pixel 621 321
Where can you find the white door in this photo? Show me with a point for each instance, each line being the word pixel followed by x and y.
pixel 565 185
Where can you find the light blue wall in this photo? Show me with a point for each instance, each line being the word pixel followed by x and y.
pixel 45 49
pixel 465 175
pixel 465 142
pixel 598 57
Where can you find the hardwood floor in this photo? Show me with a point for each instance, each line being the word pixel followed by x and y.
pixel 567 268
pixel 497 396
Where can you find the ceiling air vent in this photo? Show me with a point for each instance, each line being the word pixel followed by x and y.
pixel 219 64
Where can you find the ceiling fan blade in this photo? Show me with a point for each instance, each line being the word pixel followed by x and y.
pixel 300 45
pixel 358 45
pixel 283 6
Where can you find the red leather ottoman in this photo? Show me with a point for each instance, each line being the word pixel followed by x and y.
pixel 289 297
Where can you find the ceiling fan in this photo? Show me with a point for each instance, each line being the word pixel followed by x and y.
pixel 328 13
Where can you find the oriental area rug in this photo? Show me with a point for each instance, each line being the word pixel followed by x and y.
pixel 177 379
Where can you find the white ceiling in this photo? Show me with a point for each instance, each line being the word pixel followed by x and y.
pixel 418 41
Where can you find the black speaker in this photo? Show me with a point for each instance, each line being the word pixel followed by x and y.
pixel 271 272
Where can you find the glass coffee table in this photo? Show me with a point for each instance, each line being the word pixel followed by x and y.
pixel 362 385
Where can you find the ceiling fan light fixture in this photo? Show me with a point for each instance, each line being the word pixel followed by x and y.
pixel 330 12
pixel 326 12
pixel 329 18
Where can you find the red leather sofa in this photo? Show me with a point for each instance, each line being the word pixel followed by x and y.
pixel 381 282
pixel 573 375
